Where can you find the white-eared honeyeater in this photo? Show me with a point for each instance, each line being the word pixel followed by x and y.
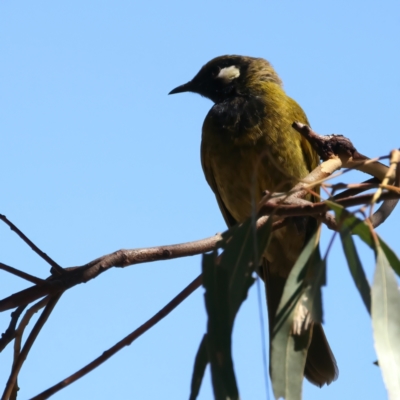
pixel 249 146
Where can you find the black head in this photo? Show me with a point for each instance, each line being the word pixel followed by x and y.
pixel 228 76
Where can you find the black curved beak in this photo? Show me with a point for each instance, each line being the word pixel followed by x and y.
pixel 187 87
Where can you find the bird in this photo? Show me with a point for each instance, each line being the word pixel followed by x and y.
pixel 248 147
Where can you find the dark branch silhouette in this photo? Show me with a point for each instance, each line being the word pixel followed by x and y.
pixel 36 249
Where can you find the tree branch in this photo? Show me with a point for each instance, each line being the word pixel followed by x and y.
pixel 28 345
pixel 10 332
pixel 21 274
pixel 32 245
pixel 121 258
pixel 126 341
pixel 309 208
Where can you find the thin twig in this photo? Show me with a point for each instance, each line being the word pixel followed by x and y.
pixel 394 161
pixel 126 341
pixel 327 146
pixel 10 332
pixel 28 345
pixel 18 337
pixel 24 323
pixel 20 273
pixel 388 206
pixel 287 210
pixel 32 245
pixel 329 220
pixel 331 146
pixel 354 189
pixel 381 214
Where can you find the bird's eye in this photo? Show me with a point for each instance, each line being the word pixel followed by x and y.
pixel 215 72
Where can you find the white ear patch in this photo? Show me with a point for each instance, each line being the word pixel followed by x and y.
pixel 229 73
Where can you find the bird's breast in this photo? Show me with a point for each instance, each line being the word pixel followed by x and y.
pixel 243 150
pixel 238 114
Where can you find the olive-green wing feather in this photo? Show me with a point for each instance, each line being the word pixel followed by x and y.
pixel 310 155
pixel 208 172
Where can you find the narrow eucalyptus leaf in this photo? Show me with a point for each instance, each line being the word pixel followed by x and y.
pixel 356 226
pixel 242 253
pixel 356 268
pixel 289 351
pixel 238 257
pixel 219 328
pixel 227 279
pixel 363 231
pixel 316 278
pixel 386 323
pixel 200 364
pixel 391 256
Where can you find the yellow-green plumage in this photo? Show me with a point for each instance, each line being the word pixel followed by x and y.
pixel 268 156
pixel 275 159
pixel 249 146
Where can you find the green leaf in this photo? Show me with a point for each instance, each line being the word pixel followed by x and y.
pixel 356 268
pixel 200 365
pixel 363 231
pixel 391 256
pixel 354 224
pixel 289 351
pixel 243 249
pixel 219 326
pixel 238 245
pixel 386 323
pixel 227 279
pixel 315 279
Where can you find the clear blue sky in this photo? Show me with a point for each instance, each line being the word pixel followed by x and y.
pixel 96 157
